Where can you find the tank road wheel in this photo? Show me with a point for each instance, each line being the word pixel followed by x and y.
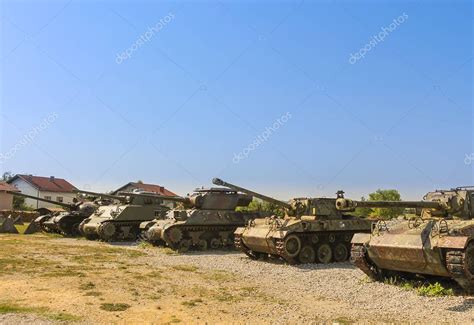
pixel 292 245
pixel 307 255
pixel 184 245
pixel 202 244
pixel 75 230
pixel 460 265
pixel 324 254
pixel 341 253
pixel 215 243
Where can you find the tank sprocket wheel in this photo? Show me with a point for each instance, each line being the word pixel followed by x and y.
pixel 75 229
pixel 307 255
pixel 107 231
pixel 174 235
pixel 324 254
pixel 202 244
pixel 341 253
pixel 292 245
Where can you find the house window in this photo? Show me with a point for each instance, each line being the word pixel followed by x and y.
pixel 59 199
pixel 47 197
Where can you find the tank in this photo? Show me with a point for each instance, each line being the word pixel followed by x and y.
pixel 64 222
pixel 208 219
pixel 312 230
pixel 439 242
pixel 121 221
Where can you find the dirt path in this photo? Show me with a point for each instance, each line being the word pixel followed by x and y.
pixel 48 280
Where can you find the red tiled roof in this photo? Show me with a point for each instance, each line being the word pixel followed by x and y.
pixel 7 187
pixel 148 188
pixel 47 184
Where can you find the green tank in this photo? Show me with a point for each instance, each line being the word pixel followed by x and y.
pixel 63 222
pixel 311 231
pixel 208 220
pixel 437 243
pixel 121 221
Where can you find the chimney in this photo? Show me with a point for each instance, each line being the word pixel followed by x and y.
pixel 162 189
pixel 51 178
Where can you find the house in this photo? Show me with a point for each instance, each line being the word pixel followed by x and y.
pixel 160 190
pixel 6 199
pixel 50 188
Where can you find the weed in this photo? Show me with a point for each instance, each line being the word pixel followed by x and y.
pixel 144 245
pixel 87 286
pixel 192 303
pixel 93 294
pixel 434 290
pixel 185 268
pixel 114 307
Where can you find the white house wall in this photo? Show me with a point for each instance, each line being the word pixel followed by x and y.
pixel 27 188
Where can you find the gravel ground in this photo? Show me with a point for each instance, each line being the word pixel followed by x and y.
pixel 325 291
pixel 23 319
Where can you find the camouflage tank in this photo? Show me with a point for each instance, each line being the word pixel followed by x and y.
pixel 121 221
pixel 311 231
pixel 439 242
pixel 63 222
pixel 208 220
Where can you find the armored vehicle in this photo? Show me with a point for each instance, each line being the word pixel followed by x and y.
pixel 439 242
pixel 312 230
pixel 121 221
pixel 208 220
pixel 62 222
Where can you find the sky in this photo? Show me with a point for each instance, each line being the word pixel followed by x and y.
pixel 282 97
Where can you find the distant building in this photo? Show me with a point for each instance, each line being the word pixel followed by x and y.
pixel 50 188
pixel 6 199
pixel 160 190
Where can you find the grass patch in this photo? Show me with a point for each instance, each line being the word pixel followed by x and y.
pixel 144 245
pixel 185 268
pixel 87 286
pixel 93 294
pixel 168 251
pixel 114 307
pixel 219 276
pixel 434 290
pixel 63 273
pixel 342 321
pixel 192 303
pixel 422 288
pixel 6 308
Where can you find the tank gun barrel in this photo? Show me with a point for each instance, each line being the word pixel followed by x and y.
pixel 350 205
pixel 64 205
pixel 220 182
pixel 102 195
pixel 158 196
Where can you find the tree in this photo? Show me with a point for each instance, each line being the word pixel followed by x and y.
pixel 258 205
pixel 7 176
pixel 385 195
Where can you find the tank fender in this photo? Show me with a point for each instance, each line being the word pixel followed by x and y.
pixel 360 238
pixel 456 242
pixel 239 231
pixel 279 234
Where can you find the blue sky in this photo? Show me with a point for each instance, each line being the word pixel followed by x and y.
pixel 215 75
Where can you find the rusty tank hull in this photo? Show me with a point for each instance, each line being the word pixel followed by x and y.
pixel 438 243
pixel 312 231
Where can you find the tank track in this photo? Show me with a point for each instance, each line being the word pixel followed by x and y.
pixel 239 245
pixel 308 239
pixel 457 267
pixel 359 259
pixel 212 232
pixel 118 235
